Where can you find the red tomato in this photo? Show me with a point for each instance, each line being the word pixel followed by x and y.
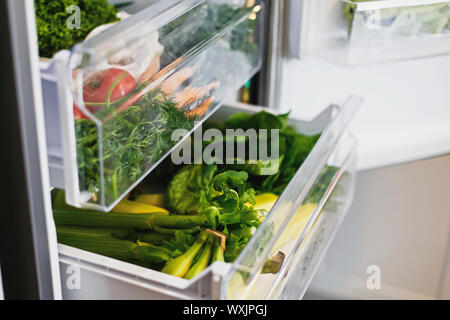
pixel 97 87
pixel 77 114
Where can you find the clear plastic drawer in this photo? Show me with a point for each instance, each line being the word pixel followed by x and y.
pixel 298 229
pixel 355 32
pixel 114 101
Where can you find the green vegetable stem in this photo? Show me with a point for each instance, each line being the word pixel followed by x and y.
pixel 157 221
pixel 180 265
pixel 217 252
pixel 202 262
pixel 101 241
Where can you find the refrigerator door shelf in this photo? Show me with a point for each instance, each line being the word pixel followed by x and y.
pixel 111 101
pixel 358 33
pixel 299 228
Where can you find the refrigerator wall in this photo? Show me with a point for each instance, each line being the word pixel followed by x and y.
pixel 400 218
pixel 400 222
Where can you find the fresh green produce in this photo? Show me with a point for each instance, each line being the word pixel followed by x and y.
pixel 180 265
pixel 52 17
pixel 222 199
pixel 202 261
pixel 151 199
pixel 265 201
pixel 183 192
pixel 152 237
pixel 132 141
pixel 103 219
pixel 120 219
pixel 433 18
pixel 133 127
pixel 102 241
pixel 214 209
pixel 293 149
pixel 217 252
pixel 137 207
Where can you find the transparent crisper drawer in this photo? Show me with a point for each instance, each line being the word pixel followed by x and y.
pixel 301 225
pixel 355 32
pixel 120 101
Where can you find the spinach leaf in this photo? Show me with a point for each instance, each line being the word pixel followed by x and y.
pixel 260 120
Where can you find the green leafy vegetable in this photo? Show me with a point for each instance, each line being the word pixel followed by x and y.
pixel 294 147
pixel 180 265
pixel 206 200
pixel 102 241
pixel 183 192
pixel 52 22
pixel 132 141
pixel 202 261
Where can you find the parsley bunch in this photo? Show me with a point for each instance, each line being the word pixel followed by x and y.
pixel 52 17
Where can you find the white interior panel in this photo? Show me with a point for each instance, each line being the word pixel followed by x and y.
pixel 400 222
pixel 406 112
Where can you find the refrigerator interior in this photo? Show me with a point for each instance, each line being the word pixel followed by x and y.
pixel 353 32
pixel 406 235
pixel 337 146
pixel 405 121
pixel 301 231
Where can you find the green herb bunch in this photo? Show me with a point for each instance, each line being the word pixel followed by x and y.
pixel 52 17
pixel 132 141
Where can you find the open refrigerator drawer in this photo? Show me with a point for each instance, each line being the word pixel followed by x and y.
pixel 294 236
pixel 113 102
pixel 357 32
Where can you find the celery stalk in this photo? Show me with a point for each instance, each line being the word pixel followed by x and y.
pixel 101 241
pixel 102 219
pixel 155 237
pixel 202 262
pixel 121 219
pixel 217 252
pixel 178 221
pixel 172 231
pixel 181 264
